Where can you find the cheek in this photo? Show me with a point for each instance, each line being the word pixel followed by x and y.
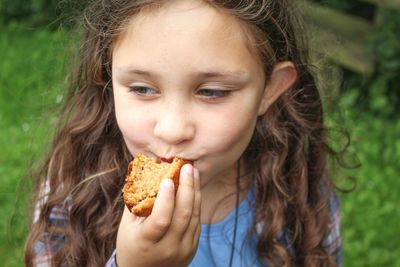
pixel 225 132
pixel 224 140
pixel 135 125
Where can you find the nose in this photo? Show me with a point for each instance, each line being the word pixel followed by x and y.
pixel 174 124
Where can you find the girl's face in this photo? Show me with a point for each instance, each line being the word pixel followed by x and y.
pixel 186 84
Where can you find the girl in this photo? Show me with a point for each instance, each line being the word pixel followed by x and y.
pixel 224 84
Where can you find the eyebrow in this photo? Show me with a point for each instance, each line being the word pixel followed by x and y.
pixel 238 75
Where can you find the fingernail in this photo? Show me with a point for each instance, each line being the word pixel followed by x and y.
pixel 187 168
pixel 167 184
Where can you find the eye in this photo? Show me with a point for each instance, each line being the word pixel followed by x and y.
pixel 213 93
pixel 142 90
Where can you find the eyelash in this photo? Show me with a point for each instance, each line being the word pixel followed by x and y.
pixel 213 93
pixel 206 93
pixel 139 90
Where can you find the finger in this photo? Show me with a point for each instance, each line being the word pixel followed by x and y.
pixel 197 196
pixel 130 218
pixel 157 224
pixel 125 222
pixel 193 230
pixel 196 237
pixel 184 202
pixel 192 235
pixel 197 188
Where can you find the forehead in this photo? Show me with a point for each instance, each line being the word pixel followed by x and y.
pixel 175 15
pixel 194 30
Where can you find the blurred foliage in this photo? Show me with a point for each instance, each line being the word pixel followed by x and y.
pixel 370 214
pixel 378 93
pixel 32 70
pixel 360 8
pixel 385 83
pixel 41 13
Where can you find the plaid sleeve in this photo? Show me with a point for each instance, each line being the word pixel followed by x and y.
pixel 49 244
pixel 332 241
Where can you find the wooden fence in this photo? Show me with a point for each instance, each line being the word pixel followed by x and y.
pixel 343 37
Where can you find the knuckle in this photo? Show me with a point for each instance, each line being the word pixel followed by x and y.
pixel 186 214
pixel 196 210
pixel 196 213
pixel 188 252
pixel 144 247
pixel 161 224
pixel 170 253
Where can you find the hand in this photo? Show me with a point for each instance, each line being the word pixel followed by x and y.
pixel 170 235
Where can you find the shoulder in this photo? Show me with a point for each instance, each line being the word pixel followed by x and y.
pixel 334 209
pixel 48 242
pixel 58 213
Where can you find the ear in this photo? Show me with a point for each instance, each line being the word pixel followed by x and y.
pixel 282 78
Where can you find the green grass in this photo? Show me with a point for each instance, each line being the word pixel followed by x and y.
pixel 31 76
pixel 371 214
pixel 30 87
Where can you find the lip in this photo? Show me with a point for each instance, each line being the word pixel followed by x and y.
pixel 169 158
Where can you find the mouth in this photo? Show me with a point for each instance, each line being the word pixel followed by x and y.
pixel 169 158
pixel 165 160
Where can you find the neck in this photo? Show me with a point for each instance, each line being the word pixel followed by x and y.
pixel 219 196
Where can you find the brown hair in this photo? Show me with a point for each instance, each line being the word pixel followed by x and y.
pixel 287 154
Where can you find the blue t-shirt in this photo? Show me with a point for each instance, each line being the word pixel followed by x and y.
pixel 216 240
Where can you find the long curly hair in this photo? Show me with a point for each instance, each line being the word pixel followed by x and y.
pixel 287 154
